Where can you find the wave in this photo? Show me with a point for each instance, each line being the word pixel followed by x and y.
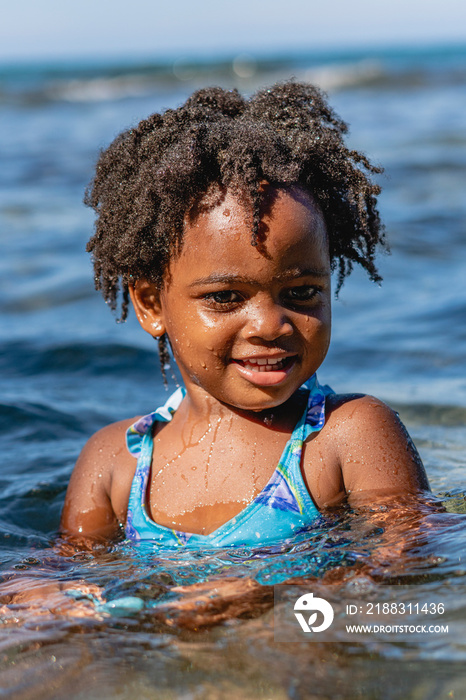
pixel 92 359
pixel 432 414
pixel 110 82
pixel 34 421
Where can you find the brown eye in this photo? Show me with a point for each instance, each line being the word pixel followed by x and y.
pixel 304 293
pixel 225 297
pixel 224 300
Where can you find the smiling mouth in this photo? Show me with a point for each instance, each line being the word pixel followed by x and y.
pixel 266 364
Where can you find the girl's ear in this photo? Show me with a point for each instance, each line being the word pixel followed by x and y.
pixel 145 297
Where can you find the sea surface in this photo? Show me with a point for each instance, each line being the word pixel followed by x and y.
pixel 67 368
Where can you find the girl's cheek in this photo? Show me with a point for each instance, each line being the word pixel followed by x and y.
pixel 208 320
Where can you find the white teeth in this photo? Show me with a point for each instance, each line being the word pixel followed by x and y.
pixel 262 364
pixel 262 361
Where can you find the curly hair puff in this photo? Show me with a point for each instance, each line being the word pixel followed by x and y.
pixel 152 176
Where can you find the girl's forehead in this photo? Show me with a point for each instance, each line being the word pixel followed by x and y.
pixel 229 212
pixel 291 229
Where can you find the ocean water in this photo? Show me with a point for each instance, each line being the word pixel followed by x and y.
pixel 66 369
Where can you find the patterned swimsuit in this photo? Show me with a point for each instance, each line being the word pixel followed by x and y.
pixel 277 513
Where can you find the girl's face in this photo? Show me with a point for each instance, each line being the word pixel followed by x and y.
pixel 247 325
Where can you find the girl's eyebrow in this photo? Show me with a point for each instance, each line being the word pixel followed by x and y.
pixel 229 278
pixel 295 272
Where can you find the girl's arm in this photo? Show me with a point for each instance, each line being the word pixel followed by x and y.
pixel 98 492
pixel 377 456
pixel 377 466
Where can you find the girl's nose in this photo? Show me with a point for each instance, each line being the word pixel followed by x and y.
pixel 267 321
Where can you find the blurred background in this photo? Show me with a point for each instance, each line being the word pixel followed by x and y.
pixel 72 76
pixel 51 29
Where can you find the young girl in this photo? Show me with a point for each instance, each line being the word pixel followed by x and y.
pixel 223 221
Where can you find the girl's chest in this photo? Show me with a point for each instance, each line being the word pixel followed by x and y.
pixel 198 487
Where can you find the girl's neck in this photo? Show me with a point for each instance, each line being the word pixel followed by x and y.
pixel 200 406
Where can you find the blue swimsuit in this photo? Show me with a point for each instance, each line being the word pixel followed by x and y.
pixel 278 512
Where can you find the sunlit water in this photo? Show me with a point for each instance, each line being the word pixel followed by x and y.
pixel 68 369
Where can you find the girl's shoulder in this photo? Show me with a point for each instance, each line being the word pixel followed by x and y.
pixel 109 444
pixel 362 419
pixel 107 451
pixel 98 492
pixel 366 449
pixel 363 408
pixel 360 423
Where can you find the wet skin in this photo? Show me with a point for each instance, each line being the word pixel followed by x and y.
pixel 248 325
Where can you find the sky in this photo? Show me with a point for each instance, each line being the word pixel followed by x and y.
pixel 57 29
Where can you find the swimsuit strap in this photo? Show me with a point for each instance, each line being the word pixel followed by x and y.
pixel 286 486
pixel 136 432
